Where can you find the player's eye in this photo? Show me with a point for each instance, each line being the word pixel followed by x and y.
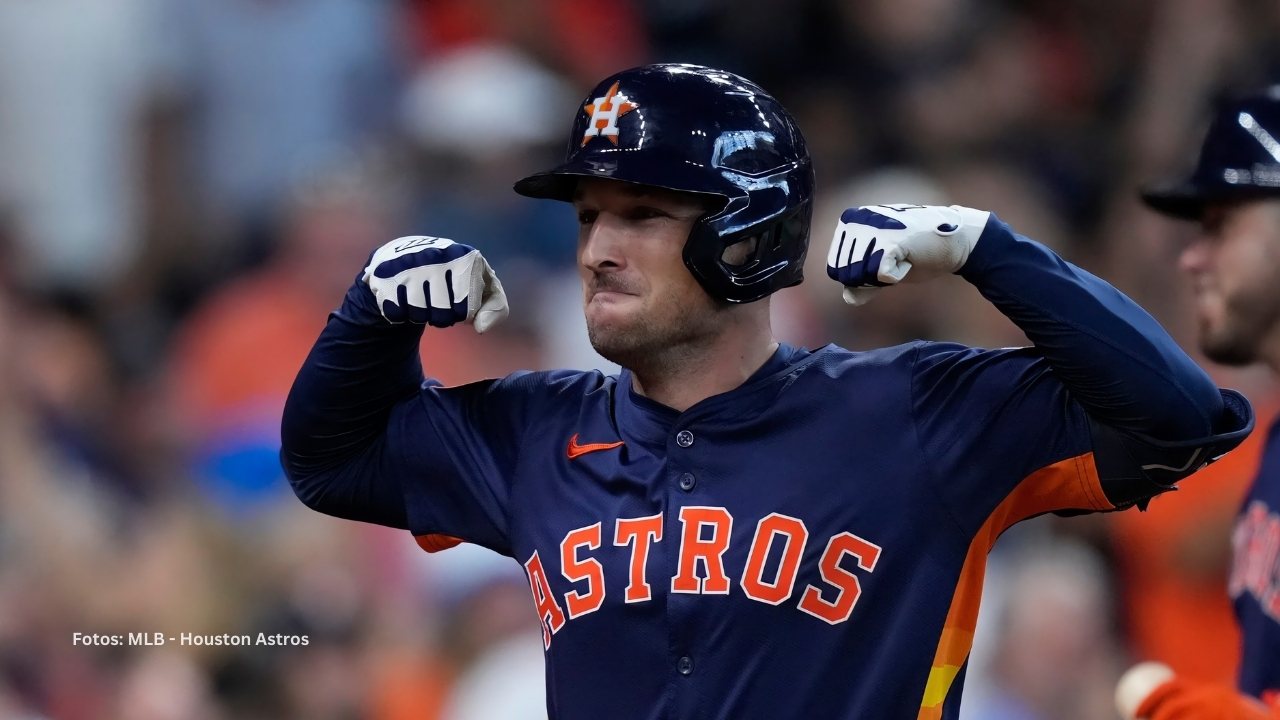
pixel 1213 223
pixel 586 217
pixel 645 212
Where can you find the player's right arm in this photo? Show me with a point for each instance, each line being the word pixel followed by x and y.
pixel 360 424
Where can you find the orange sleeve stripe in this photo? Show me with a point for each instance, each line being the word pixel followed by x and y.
pixel 1072 483
pixel 436 542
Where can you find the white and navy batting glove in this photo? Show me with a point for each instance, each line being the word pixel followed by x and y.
pixel 437 282
pixel 878 245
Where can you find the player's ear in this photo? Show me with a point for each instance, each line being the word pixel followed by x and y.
pixel 741 253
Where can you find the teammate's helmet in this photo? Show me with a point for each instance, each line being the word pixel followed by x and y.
pixel 696 129
pixel 1240 159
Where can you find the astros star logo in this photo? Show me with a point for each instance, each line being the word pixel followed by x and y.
pixel 605 112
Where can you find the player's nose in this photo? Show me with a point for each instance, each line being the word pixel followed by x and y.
pixel 600 248
pixel 1194 258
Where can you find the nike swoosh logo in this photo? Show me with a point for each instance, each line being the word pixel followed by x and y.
pixel 575 450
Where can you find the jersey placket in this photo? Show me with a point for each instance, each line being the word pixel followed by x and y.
pixel 685 661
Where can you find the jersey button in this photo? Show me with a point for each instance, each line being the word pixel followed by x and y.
pixel 687 481
pixel 684 438
pixel 684 665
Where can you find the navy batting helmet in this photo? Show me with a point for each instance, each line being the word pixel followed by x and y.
pixel 696 129
pixel 1240 159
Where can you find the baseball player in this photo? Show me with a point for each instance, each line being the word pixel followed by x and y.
pixel 1234 264
pixel 733 527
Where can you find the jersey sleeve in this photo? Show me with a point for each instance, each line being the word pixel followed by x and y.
pixel 992 422
pixel 455 451
pixel 365 437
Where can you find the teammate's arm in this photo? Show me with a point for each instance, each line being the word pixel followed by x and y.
pixel 339 445
pixel 1151 691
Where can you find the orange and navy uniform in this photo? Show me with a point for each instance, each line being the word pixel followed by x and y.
pixel 1184 699
pixel 809 544
pixel 1255 574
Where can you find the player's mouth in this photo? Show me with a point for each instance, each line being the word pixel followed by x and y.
pixel 607 289
pixel 1204 291
pixel 1208 303
pixel 609 296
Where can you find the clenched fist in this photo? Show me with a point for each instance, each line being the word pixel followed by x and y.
pixel 878 245
pixel 434 281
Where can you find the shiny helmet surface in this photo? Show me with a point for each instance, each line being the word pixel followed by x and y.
pixel 697 129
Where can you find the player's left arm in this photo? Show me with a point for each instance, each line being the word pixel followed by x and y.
pixel 1155 415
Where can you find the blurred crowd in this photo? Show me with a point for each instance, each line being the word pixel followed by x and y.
pixel 188 187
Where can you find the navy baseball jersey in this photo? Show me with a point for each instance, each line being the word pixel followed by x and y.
pixel 1255 575
pixel 810 544
pixel 828 520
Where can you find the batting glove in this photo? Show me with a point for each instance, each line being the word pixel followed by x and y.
pixel 878 245
pixel 437 282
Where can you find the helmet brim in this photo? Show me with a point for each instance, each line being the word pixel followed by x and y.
pixel 550 185
pixel 560 183
pixel 1184 200
pixel 1188 200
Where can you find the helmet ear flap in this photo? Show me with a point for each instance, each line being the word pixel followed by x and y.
pixel 771 260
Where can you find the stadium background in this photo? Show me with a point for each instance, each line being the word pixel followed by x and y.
pixel 187 187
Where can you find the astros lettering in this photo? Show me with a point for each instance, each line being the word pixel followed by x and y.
pixel 705 538
pixel 1256 569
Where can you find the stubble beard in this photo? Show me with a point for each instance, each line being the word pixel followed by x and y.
pixel 1231 345
pixel 1247 331
pixel 1249 321
pixel 650 346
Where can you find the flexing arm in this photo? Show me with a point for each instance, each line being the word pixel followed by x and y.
pixel 335 427
pixel 1114 357
pixel 1119 364
pixel 1155 415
